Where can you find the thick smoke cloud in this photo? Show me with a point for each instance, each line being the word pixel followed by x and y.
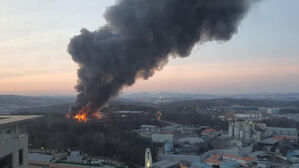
pixel 138 39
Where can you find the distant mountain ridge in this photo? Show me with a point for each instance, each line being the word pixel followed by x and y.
pixel 172 96
pixel 10 103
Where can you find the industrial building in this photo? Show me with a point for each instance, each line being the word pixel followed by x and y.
pixel 14 141
pixel 290 134
pixel 240 130
pixel 219 159
pixel 251 116
pixel 130 115
pixel 149 129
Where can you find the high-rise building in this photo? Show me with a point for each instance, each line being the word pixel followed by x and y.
pixel 14 141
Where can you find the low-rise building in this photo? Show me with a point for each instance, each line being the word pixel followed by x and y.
pixel 150 129
pixel 218 159
pixel 208 132
pixel 290 134
pixel 251 116
pixel 162 138
pixel 129 115
pixel 39 157
pixel 273 110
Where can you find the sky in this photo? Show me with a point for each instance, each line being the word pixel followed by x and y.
pixel 261 57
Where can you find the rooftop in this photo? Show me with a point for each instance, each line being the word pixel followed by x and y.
pixel 269 141
pixel 292 153
pixel 149 126
pixel 128 112
pixel 209 130
pixel 39 157
pixel 166 163
pixel 220 158
pixel 282 129
pixel 6 120
pixel 187 158
pixel 212 161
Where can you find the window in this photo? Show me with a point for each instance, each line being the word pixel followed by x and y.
pixel 6 161
pixel 8 131
pixel 20 156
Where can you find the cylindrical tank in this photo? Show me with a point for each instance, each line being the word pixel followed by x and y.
pixel 241 134
pixel 258 136
pixel 247 132
pixel 231 130
pixel 237 131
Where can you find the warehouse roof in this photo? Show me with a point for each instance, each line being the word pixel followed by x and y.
pixel 269 141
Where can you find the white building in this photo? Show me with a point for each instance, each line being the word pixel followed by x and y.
pixel 14 141
pixel 281 131
pixel 290 134
pixel 161 138
pixel 251 117
pixel 149 129
pixel 273 110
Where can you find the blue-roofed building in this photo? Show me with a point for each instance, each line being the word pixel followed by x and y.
pixel 293 153
pixel 200 165
pixel 40 157
pixel 293 156
pixel 168 146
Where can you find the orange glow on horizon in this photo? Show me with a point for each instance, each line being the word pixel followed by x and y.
pixel 46 83
pixel 180 78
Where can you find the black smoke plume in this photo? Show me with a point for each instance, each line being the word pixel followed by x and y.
pixel 138 39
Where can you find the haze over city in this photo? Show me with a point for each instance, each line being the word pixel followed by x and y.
pixel 261 57
pixel 149 84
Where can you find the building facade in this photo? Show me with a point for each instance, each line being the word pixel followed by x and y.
pixel 14 141
pixel 162 138
pixel 290 134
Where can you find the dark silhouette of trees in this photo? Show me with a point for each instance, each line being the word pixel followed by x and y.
pixel 97 138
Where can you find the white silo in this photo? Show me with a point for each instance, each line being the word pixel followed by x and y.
pixel 247 131
pixel 237 131
pixel 231 130
pixel 241 134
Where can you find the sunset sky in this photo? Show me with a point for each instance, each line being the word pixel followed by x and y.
pixel 262 57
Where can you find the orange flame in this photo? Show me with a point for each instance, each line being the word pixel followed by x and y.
pixel 81 116
pixel 97 115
